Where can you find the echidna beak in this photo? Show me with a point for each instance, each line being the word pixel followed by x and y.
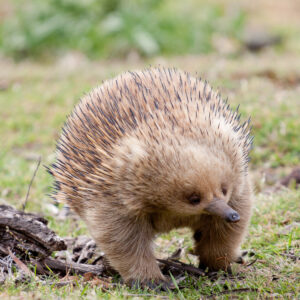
pixel 219 207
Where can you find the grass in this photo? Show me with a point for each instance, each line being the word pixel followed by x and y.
pixel 34 104
pixel 272 275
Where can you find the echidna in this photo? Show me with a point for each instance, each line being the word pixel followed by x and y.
pixel 150 151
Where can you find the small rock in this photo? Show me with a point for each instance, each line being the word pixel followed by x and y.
pixel 51 208
pixel 288 228
pixel 294 175
pixel 4 84
pixel 257 39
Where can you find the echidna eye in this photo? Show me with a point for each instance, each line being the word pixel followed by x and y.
pixel 194 199
pixel 224 190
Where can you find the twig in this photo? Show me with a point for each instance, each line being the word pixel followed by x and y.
pixel 29 187
pixel 72 267
pixel 60 284
pixel 183 267
pixel 251 263
pixel 97 259
pixel 176 254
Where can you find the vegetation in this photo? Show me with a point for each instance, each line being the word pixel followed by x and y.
pixel 34 104
pixel 115 28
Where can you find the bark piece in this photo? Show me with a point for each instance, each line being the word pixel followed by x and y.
pixel 26 233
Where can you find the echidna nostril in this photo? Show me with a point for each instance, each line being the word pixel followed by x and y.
pixel 197 235
pixel 235 217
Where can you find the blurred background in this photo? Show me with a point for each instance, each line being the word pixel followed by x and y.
pixel 106 29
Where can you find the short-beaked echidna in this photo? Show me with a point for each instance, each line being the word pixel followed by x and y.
pixel 153 150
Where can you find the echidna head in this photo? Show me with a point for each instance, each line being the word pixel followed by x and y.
pixel 200 181
pixel 187 179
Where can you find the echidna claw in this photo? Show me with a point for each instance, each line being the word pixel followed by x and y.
pixel 240 259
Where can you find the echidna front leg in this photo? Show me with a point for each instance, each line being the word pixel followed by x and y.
pixel 217 243
pixel 127 245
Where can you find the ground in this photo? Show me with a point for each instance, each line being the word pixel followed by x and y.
pixel 35 100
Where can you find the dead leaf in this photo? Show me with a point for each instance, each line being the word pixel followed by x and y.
pixel 19 263
pixel 88 276
pixel 101 283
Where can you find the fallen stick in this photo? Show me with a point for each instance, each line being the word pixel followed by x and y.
pixel 180 266
pixel 57 266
